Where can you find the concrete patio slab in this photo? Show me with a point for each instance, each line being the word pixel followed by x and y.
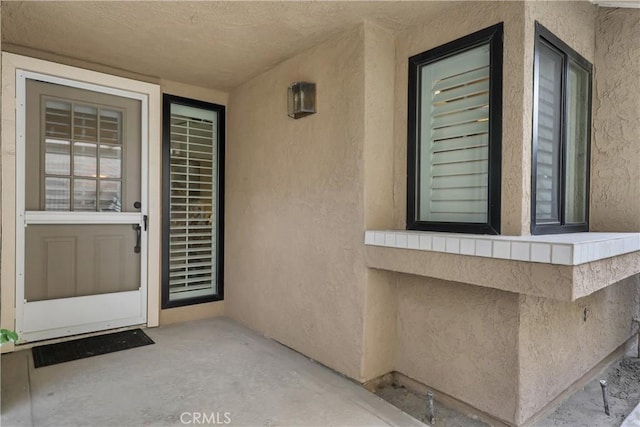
pixel 206 372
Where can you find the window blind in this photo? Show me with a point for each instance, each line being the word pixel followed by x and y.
pixel 548 149
pixel 454 127
pixel 193 187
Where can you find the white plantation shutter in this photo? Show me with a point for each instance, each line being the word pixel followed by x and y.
pixel 192 229
pixel 549 134
pixel 454 149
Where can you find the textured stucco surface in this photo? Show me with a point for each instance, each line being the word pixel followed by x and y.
pixel 468 18
pixel 460 339
pixel 615 144
pixel 591 277
pixel 381 311
pixel 557 346
pixel 380 293
pixel 551 281
pixel 224 43
pixel 191 312
pixel 294 261
pixel 560 282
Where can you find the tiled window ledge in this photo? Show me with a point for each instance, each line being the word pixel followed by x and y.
pixel 562 267
pixel 559 249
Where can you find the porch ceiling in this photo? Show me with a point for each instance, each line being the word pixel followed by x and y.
pixel 214 44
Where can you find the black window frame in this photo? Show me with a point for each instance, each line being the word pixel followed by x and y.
pixel 167 100
pixel 550 40
pixel 494 36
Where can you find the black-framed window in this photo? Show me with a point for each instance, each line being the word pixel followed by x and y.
pixel 561 137
pixel 193 201
pixel 454 135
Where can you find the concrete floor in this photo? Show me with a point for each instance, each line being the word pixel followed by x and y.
pixel 213 368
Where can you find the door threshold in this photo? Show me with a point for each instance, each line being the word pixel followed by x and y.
pixel 31 344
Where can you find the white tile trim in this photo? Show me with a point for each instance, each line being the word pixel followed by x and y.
pixel 561 249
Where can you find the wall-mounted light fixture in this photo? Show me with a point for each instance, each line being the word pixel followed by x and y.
pixel 301 99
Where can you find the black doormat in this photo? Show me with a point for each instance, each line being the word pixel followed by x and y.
pixel 53 354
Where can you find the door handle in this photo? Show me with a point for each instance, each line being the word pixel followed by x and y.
pixel 138 229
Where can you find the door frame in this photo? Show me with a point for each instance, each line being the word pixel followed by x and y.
pixel 16 69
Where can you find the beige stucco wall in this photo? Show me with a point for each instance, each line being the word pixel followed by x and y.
pixel 460 339
pixel 294 215
pixel 468 18
pixel 380 294
pixel 557 346
pixel 615 147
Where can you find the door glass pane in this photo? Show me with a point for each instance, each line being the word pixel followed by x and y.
pixel 84 159
pixel 110 161
pixel 58 119
pixel 57 157
pixel 96 160
pixel 110 196
pixel 85 123
pixel 110 126
pixel 192 231
pixel 549 132
pixel 84 195
pixel 577 133
pixel 57 194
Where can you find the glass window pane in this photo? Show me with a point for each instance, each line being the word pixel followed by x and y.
pixel 110 126
pixel 577 134
pixel 85 123
pixel 57 157
pixel 84 195
pixel 110 161
pixel 58 119
pixel 110 196
pixel 549 134
pixel 454 138
pixel 57 194
pixel 192 235
pixel 84 159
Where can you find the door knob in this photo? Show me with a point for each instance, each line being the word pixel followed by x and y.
pixel 137 205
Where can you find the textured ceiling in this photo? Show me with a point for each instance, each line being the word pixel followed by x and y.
pixel 212 44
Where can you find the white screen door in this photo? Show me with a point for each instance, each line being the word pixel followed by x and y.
pixel 82 208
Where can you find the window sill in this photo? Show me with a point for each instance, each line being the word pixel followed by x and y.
pixel 564 267
pixel 560 249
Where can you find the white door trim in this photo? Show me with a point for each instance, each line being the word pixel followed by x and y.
pixel 45 328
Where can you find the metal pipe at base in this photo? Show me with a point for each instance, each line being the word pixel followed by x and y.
pixel 605 398
pixel 430 412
